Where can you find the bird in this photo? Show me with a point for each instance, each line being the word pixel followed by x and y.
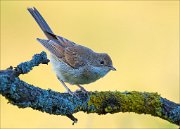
pixel 73 63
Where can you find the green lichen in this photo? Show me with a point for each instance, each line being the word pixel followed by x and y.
pixel 103 102
pixel 112 102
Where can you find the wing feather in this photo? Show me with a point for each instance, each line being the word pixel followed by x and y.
pixel 73 55
pixel 53 47
pixel 62 41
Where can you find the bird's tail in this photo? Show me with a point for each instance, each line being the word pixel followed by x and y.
pixel 41 22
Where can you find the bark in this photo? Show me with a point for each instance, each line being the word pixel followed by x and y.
pixel 24 95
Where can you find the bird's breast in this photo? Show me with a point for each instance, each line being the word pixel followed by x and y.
pixel 83 75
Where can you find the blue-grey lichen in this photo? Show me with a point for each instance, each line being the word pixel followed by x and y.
pixel 37 59
pixel 25 95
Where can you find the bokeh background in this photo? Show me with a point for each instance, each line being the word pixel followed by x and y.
pixel 142 37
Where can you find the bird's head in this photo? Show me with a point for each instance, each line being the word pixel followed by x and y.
pixel 104 60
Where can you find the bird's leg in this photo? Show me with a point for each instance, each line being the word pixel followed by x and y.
pixel 67 89
pixel 82 89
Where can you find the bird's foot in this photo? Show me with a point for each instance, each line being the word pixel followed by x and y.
pixel 73 94
pixel 82 90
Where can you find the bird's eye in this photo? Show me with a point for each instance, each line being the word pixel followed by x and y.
pixel 102 62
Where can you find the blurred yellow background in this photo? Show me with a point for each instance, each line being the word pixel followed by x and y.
pixel 142 37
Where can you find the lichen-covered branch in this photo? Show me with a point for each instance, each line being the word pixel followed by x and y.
pixel 25 95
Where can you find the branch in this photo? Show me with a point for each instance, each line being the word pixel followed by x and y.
pixel 24 95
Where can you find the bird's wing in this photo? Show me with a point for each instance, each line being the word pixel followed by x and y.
pixel 52 47
pixel 74 56
pixel 71 54
pixel 61 40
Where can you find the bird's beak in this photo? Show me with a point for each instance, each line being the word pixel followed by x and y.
pixel 112 68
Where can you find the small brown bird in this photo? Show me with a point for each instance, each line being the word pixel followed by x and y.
pixel 73 63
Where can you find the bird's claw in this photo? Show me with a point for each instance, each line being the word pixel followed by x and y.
pixel 73 94
pixel 82 90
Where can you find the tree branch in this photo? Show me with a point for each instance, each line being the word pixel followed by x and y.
pixel 25 95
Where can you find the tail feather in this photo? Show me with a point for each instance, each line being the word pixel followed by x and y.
pixel 41 22
pixel 60 42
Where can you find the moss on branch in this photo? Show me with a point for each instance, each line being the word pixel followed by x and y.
pixel 25 95
pixel 112 102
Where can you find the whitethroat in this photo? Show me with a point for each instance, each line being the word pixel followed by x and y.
pixel 73 63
